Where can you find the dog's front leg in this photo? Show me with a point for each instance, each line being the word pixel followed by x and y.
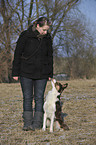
pixel 44 122
pixel 52 122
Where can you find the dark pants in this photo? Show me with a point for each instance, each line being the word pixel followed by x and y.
pixel 33 88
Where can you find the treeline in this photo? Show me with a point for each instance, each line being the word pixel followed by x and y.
pixel 75 67
pixel 74 50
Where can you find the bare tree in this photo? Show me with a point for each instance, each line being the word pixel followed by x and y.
pixel 77 46
pixel 5 39
pixel 18 15
pixel 12 22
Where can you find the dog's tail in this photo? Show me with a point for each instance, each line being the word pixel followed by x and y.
pixel 59 117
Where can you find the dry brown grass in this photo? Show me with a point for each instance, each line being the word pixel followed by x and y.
pixel 79 103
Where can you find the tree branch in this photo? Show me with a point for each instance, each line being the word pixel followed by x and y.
pixel 30 11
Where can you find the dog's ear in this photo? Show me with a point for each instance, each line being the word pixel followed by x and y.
pixel 65 85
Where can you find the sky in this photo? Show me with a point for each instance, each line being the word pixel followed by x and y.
pixel 88 8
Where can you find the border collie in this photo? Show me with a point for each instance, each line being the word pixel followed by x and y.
pixel 52 106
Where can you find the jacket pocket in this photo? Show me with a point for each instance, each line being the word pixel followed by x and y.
pixel 27 67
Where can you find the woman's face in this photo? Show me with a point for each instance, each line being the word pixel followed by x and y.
pixel 42 30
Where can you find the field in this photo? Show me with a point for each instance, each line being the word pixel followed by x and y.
pixel 79 105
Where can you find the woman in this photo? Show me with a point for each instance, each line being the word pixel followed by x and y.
pixel 33 64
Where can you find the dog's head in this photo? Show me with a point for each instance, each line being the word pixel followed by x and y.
pixel 59 87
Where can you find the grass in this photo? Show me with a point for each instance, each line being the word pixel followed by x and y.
pixel 79 103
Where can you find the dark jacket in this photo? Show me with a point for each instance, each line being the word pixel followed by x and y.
pixel 33 57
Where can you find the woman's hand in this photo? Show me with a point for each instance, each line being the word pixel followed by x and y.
pixel 49 79
pixel 15 78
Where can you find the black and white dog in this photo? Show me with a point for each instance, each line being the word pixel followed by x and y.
pixel 52 106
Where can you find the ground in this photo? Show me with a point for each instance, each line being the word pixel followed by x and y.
pixel 79 107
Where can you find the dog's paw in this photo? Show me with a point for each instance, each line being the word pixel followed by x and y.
pixel 51 131
pixel 43 129
pixel 51 128
pixel 53 80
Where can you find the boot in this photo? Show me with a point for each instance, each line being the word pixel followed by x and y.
pixel 28 119
pixel 38 121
